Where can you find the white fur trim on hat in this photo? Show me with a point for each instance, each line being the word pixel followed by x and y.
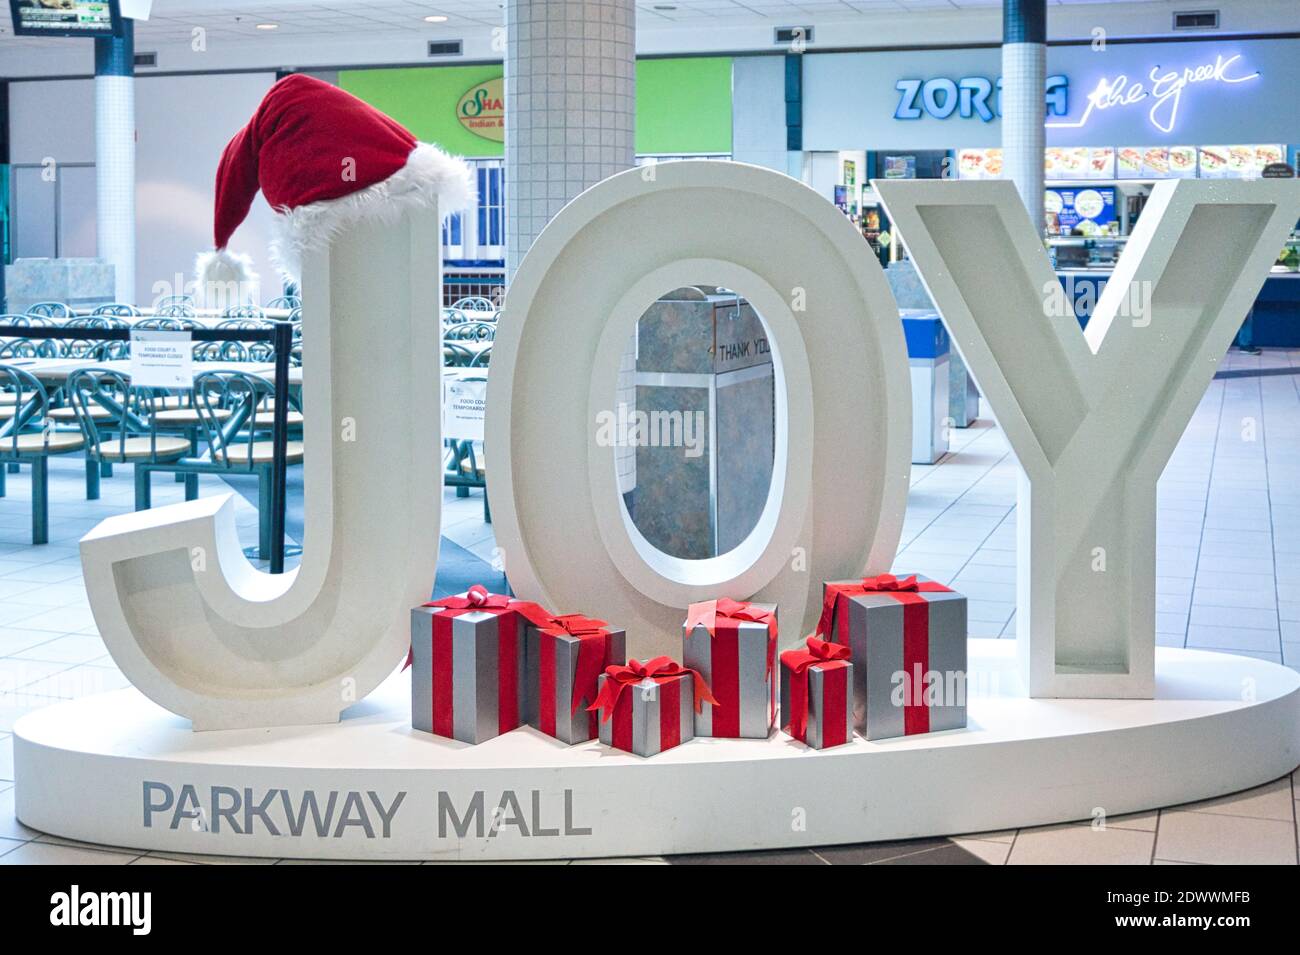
pixel 224 278
pixel 430 177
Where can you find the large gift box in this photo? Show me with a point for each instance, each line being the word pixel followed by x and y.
pixel 817 694
pixel 467 664
pixel 646 708
pixel 732 644
pixel 564 661
pixel 907 636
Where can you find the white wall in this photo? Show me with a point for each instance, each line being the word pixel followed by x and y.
pixel 183 123
pixel 758 133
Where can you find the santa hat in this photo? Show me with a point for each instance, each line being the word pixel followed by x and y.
pixel 324 160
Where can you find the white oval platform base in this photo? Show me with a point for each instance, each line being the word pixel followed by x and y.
pixel 116 769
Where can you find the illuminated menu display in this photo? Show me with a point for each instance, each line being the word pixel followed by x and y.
pixel 64 17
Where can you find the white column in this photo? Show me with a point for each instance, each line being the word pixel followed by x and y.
pixel 570 122
pixel 1024 79
pixel 115 157
pixel 570 107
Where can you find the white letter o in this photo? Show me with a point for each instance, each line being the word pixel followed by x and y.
pixel 840 478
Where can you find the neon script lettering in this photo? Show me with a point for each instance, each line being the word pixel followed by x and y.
pixel 1164 88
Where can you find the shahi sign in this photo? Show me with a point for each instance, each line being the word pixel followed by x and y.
pixel 482 110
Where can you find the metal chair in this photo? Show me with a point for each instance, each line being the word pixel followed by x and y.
pixel 117 309
pixel 28 321
pixel 178 322
pixel 244 311
pixel 475 303
pixel 129 434
pixel 28 437
pixel 285 301
pixel 179 310
pixel 471 331
pixel 29 348
pixel 229 405
pixel 455 355
pixel 170 301
pixel 50 310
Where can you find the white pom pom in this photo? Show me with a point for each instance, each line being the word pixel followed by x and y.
pixel 225 278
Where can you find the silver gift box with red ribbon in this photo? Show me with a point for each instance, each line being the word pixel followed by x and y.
pixel 467 664
pixel 651 717
pixel 907 636
pixel 817 695
pixel 562 681
pixel 738 662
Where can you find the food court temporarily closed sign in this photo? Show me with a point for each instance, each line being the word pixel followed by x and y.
pixel 482 110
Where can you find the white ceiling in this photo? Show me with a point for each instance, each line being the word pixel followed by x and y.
pixel 358 27
pixel 174 20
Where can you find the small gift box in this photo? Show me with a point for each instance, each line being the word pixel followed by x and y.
pixel 817 693
pixel 732 644
pixel 467 664
pixel 564 661
pixel 646 708
pixel 907 636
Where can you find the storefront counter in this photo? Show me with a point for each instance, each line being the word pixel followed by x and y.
pixel 1276 312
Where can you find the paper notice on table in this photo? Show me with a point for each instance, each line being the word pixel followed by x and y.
pixel 162 359
pixel 464 402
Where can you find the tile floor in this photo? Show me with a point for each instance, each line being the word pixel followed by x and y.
pixel 1228 578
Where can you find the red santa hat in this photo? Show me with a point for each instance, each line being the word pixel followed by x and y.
pixel 323 159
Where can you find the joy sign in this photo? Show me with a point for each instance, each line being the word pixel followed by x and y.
pixel 1092 419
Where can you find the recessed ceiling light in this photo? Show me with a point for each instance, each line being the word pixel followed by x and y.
pixel 268 26
pixel 436 18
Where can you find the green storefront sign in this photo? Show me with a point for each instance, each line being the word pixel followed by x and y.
pixel 683 104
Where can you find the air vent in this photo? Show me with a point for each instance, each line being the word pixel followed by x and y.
pixel 784 36
pixel 146 59
pixel 1197 20
pixel 445 47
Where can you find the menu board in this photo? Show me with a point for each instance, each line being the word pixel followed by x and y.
pixel 979 163
pixel 900 167
pixel 64 17
pixel 1059 162
pixel 1079 162
pixel 1089 211
pixel 1238 162
pixel 1156 162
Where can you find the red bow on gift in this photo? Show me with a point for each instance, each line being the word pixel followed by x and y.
pixel 619 677
pixel 591 651
pixel 708 612
pixel 800 660
pixel 479 598
pixel 881 584
pixel 817 651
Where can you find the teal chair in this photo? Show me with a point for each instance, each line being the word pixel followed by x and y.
pixel 233 411
pixel 28 437
pixel 119 427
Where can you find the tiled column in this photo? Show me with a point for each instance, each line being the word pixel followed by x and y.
pixel 115 156
pixel 1024 78
pixel 570 102
pixel 570 111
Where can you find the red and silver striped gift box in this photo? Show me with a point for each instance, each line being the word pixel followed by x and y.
pixel 907 636
pixel 467 665
pixel 733 646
